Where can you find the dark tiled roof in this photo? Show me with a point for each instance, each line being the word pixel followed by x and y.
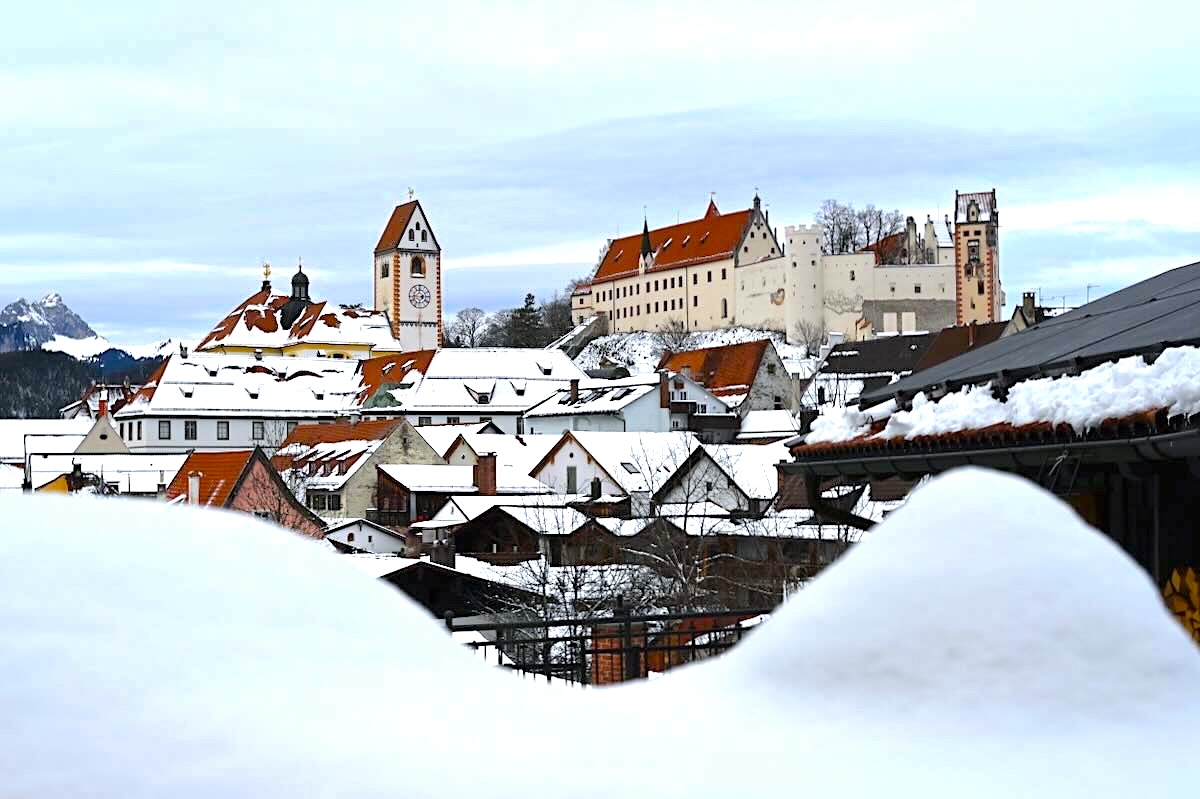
pixel 888 354
pixel 954 341
pixel 985 199
pixel 390 239
pixel 1143 318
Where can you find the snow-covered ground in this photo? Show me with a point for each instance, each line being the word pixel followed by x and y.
pixel 984 643
pixel 641 351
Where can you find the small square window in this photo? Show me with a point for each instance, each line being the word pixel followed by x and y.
pixel 917 288
pixel 258 431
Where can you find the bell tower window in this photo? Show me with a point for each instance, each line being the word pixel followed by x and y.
pixel 418 267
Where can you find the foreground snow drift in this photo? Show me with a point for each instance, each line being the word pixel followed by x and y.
pixel 983 642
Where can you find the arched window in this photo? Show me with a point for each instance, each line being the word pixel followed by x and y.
pixel 349 536
pixel 418 267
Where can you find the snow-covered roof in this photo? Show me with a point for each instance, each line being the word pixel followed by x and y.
pixel 751 466
pixel 442 479
pixel 1110 391
pixel 521 452
pixel 257 323
pixel 53 435
pixel 597 396
pixel 328 465
pixel 242 385
pixel 12 477
pixel 768 424
pixel 461 508
pixel 1036 686
pixel 442 436
pixel 638 461
pixel 132 473
pixel 495 379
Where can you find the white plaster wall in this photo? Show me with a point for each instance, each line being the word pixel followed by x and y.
pixel 554 472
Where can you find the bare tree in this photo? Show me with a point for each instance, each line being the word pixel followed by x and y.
pixel 468 327
pixel 840 226
pixel 673 335
pixel 811 334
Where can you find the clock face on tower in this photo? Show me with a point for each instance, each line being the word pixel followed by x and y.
pixel 418 296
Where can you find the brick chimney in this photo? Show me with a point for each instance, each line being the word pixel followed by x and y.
pixel 1029 306
pixel 103 404
pixel 664 391
pixel 574 390
pixel 485 474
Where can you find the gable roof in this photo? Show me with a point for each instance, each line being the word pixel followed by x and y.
pixel 374 373
pixel 883 355
pixel 521 452
pixel 220 474
pixel 597 396
pixel 634 461
pixel 985 199
pixel 371 430
pixel 397 223
pixel 1144 318
pixel 712 237
pixel 725 370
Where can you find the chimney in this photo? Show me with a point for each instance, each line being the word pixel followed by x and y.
pixel 574 390
pixel 971 335
pixel 258 354
pixel 193 495
pixel 1029 306
pixel 485 474
pixel 161 491
pixel 664 391
pixel 596 488
pixel 103 404
pixel 442 553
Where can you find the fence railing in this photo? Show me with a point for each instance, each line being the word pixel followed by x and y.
pixel 606 649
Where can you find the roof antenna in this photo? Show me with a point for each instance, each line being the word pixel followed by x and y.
pixel 411 193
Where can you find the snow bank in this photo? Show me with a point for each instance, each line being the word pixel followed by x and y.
pixel 78 348
pixel 1109 391
pixel 984 643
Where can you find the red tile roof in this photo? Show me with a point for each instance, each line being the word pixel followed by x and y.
pixel 266 321
pixel 146 392
pixel 396 226
pixel 710 238
pixel 309 435
pixel 375 372
pixel 219 475
pixel 722 370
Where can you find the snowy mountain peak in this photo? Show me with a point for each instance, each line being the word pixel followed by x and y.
pixel 26 325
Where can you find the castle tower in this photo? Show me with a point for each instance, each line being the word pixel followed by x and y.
pixel 978 295
pixel 408 278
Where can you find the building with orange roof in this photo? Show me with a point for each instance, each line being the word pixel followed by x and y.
pixel 683 275
pixel 407 278
pixel 331 467
pixel 749 376
pixel 242 480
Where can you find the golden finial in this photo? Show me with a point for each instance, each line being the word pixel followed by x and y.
pixel 266 270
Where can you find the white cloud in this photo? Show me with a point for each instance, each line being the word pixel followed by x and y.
pixel 23 273
pixel 1112 212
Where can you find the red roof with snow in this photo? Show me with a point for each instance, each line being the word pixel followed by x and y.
pixel 220 473
pixel 722 370
pixel 374 373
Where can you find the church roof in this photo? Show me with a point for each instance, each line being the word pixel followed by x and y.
pixel 713 237
pixel 256 322
pixel 396 226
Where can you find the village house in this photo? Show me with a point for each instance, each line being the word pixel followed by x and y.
pixel 652 403
pixel 361 535
pixel 520 453
pixel 443 437
pixel 749 376
pixel 218 402
pixel 331 467
pixel 242 480
pixel 458 386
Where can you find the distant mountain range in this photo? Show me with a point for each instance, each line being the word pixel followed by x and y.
pixel 49 324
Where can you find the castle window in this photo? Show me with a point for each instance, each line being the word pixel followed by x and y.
pixel 709 275
pixel 695 280
pixel 724 308
pixel 695 301
pixel 384 271
pixel 722 274
pixel 418 267
pixel 917 288
pixel 981 287
pixel 973 251
pixel 851 275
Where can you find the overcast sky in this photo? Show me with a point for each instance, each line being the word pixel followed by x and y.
pixel 151 158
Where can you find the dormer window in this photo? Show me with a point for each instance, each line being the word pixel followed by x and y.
pixel 483 398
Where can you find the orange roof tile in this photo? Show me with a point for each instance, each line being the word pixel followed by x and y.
pixel 396 226
pixel 375 372
pixel 254 317
pixel 722 370
pixel 710 238
pixel 219 475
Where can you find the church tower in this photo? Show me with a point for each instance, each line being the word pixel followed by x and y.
pixel 978 295
pixel 408 278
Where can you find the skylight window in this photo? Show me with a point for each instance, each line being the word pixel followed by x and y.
pixel 629 467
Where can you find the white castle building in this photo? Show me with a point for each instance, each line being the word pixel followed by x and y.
pixel 731 269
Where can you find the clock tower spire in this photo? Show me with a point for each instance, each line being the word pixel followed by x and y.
pixel 407 277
